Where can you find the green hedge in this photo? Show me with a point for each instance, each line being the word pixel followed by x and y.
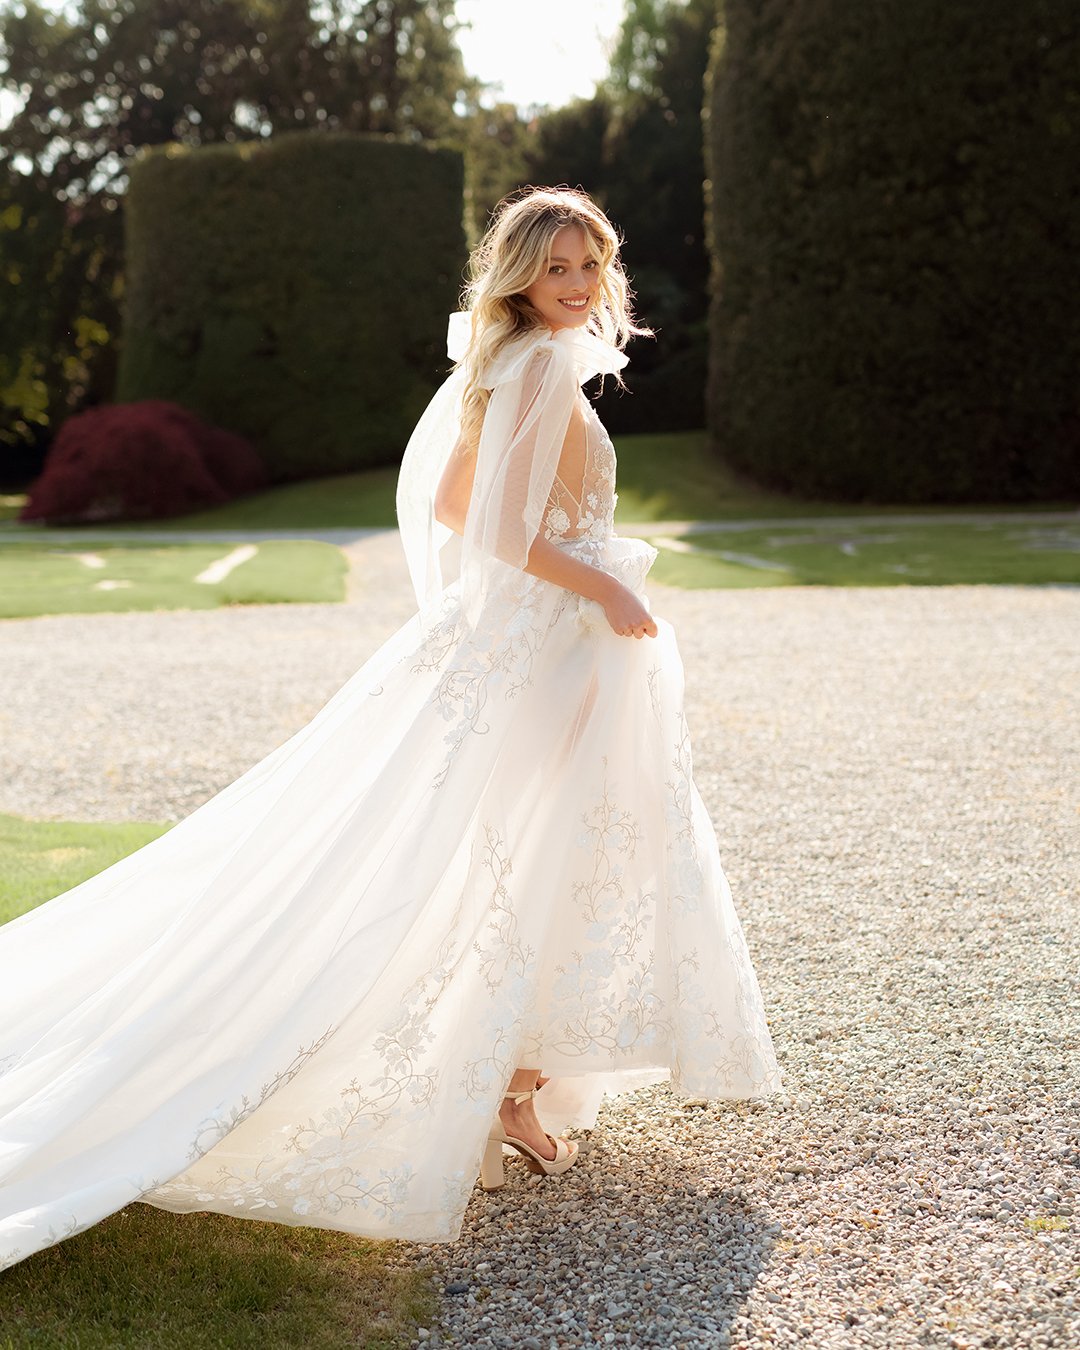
pixel 294 291
pixel 895 225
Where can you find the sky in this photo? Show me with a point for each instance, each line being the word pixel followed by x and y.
pixel 534 51
pixel 540 51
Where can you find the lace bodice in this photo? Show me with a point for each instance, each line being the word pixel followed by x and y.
pixel 591 517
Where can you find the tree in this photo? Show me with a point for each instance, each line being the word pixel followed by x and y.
pixel 106 77
pixel 637 147
pixel 494 142
pixel 643 43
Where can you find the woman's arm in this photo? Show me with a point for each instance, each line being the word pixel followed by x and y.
pixel 625 612
pixel 546 560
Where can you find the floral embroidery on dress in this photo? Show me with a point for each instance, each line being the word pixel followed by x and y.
pixel 507 967
pixel 497 659
pixel 557 519
pixel 56 1233
pixel 592 517
pixel 681 838
pixel 606 989
pixel 323 1181
pixel 214 1128
pixel 653 678
pixel 505 955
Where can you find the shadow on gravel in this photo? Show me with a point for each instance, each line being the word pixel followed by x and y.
pixel 627 1248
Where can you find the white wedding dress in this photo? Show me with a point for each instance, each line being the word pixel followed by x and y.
pixel 303 1002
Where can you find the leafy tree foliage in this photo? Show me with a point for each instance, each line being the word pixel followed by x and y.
pixel 637 147
pixel 104 78
pixel 494 141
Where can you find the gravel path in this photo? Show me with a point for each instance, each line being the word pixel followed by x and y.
pixel 894 779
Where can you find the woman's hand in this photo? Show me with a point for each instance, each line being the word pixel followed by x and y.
pixel 626 614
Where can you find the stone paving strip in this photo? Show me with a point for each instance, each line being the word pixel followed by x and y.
pixel 894 776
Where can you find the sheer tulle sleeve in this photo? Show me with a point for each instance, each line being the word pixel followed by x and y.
pixel 533 382
pixel 422 467
pixel 523 433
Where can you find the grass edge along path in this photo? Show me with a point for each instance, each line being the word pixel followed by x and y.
pixel 145 1277
pixel 43 576
pixel 866 552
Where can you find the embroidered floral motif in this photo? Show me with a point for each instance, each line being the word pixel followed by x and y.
pixel 683 857
pixel 507 966
pixel 440 638
pixel 605 992
pixel 558 521
pixel 323 1182
pixel 504 955
pixel 496 660
pixel 212 1130
pixel 56 1233
pixel 653 678
pixel 360 1105
pixel 593 517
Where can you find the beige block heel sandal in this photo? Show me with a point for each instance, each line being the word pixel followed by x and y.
pixel 492 1172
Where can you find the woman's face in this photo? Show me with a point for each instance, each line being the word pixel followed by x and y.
pixel 565 294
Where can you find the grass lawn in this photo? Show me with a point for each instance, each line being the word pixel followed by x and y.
pixel 669 477
pixel 674 477
pixel 37 577
pixel 363 498
pixel 147 1278
pixel 41 858
pixel 873 555
pixel 660 477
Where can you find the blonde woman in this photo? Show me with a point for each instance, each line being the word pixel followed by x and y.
pixel 327 996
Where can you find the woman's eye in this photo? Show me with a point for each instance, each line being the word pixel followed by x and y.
pixel 592 263
pixel 555 268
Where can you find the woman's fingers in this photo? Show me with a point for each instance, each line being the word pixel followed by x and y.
pixel 630 628
pixel 639 630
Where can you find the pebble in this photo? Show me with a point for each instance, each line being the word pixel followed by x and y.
pixel 893 778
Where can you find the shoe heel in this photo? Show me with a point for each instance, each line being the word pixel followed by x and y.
pixel 492 1173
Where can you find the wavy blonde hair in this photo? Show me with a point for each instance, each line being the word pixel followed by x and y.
pixel 514 253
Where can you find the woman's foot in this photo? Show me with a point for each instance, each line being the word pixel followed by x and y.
pixel 518 1127
pixel 520 1122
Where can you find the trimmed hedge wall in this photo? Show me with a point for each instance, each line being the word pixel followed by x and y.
pixel 895 226
pixel 295 291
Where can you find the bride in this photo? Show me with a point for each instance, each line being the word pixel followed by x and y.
pixel 326 996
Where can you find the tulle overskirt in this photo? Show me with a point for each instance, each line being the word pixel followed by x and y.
pixel 304 1001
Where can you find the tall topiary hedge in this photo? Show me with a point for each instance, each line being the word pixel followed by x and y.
pixel 294 291
pixel 895 227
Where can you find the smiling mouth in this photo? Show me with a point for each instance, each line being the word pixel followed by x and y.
pixel 583 303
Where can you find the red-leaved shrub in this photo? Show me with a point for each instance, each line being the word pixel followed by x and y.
pixel 134 461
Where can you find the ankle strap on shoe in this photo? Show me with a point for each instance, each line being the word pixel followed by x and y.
pixel 519 1096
